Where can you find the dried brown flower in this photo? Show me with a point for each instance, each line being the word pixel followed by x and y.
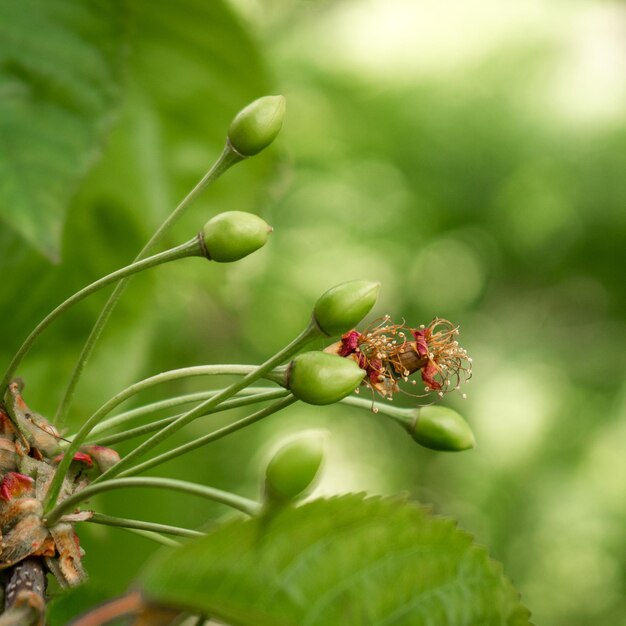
pixel 390 353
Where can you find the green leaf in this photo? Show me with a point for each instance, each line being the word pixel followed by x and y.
pixel 60 66
pixel 348 560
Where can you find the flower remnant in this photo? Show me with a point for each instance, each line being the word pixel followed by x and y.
pixel 30 451
pixel 390 353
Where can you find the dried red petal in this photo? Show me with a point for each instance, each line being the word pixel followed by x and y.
pixel 421 340
pixel 374 370
pixel 428 375
pixel 14 485
pixel 349 342
pixel 81 457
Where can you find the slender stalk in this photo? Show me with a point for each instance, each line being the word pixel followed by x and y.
pixel 227 159
pixel 146 409
pixel 402 415
pixel 57 480
pixel 168 403
pixel 109 520
pixel 154 536
pixel 214 436
pixel 191 248
pixel 224 497
pixel 311 331
pixel 158 424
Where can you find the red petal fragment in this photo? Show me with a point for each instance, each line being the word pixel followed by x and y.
pixel 428 375
pixel 81 457
pixel 421 339
pixel 350 342
pixel 374 370
pixel 14 485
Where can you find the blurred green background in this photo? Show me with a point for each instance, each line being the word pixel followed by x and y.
pixel 470 156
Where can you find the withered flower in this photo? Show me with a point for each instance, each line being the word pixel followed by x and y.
pixel 390 353
pixel 447 363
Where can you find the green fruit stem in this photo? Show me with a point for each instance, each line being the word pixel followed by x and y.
pixel 434 427
pixel 81 436
pixel 168 403
pixel 214 436
pixel 158 424
pixel 309 333
pixel 224 497
pixel 227 159
pixel 190 248
pixel 404 417
pixel 109 520
pixel 156 537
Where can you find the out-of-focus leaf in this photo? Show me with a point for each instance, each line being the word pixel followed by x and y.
pixel 192 65
pixel 60 67
pixel 347 560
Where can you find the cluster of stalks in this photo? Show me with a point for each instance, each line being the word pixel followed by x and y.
pixel 46 475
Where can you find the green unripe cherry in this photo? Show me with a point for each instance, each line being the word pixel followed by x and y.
pixel 342 307
pixel 256 126
pixel 322 378
pixel 441 428
pixel 291 472
pixel 232 235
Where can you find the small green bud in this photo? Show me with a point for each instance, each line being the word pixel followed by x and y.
pixel 256 126
pixel 232 235
pixel 322 378
pixel 440 428
pixel 291 472
pixel 342 307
